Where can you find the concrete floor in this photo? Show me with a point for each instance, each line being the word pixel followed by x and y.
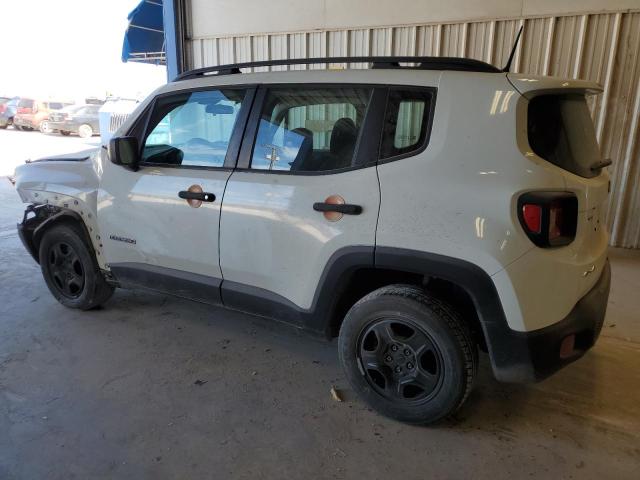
pixel 111 393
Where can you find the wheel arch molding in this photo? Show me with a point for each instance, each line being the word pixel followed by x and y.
pixel 509 362
pixel 32 228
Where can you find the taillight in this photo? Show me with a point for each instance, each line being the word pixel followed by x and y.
pixel 549 219
pixel 532 216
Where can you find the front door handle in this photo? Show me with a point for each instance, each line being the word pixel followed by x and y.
pixel 345 208
pixel 202 196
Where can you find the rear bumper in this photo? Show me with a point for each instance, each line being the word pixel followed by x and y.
pixel 22 122
pixel 532 356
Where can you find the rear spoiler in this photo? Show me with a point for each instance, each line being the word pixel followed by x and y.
pixel 531 85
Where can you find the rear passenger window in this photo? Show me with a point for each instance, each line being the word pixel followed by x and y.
pixel 310 129
pixel 406 122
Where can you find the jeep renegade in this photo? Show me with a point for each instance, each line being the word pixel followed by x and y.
pixel 419 210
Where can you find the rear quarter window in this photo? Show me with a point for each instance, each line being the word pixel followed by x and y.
pixel 561 131
pixel 407 122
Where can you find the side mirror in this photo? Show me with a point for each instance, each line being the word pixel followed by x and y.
pixel 124 151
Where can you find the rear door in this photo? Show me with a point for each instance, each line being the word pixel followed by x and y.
pixel 305 195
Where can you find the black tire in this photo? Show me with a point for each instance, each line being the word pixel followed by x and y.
pixel 70 269
pixel 3 127
pixel 16 127
pixel 65 133
pixel 407 354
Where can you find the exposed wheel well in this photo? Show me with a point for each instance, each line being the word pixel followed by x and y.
pixel 366 280
pixel 38 219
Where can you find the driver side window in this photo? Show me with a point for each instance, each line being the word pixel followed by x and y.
pixel 192 128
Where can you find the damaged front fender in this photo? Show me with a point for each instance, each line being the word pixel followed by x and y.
pixel 37 219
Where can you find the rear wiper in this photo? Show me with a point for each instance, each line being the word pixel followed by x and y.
pixel 600 164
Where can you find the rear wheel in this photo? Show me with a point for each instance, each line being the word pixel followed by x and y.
pixel 407 354
pixel 70 270
pixel 85 131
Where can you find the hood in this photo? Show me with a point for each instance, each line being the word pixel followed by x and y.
pixel 75 175
pixel 68 157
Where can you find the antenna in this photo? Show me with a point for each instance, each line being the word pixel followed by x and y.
pixel 507 67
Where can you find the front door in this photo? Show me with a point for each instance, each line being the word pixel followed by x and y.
pixel 305 192
pixel 160 223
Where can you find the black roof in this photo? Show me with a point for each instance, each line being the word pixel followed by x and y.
pixel 418 63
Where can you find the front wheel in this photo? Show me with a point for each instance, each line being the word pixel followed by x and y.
pixel 407 354
pixel 85 131
pixel 70 270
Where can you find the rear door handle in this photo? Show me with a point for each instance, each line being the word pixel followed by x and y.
pixel 345 208
pixel 202 196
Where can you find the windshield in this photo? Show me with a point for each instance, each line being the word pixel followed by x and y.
pixel 72 108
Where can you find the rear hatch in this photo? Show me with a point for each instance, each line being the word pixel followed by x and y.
pixel 25 106
pixel 560 130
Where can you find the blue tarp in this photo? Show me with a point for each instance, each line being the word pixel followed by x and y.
pixel 144 38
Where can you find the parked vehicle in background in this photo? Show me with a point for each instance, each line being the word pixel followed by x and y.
pixel 79 119
pixel 114 113
pixel 34 114
pixel 8 108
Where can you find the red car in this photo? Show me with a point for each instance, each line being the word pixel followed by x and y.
pixel 34 114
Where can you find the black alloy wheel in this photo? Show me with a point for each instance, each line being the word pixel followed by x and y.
pixel 66 269
pixel 70 268
pixel 400 360
pixel 408 354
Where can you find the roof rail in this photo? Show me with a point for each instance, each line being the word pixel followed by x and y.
pixel 420 63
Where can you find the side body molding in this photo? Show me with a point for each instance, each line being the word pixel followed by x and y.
pixel 509 362
pixel 318 318
pixel 178 283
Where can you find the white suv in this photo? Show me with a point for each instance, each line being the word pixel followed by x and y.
pixel 418 212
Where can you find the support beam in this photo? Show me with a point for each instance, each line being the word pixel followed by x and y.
pixel 173 37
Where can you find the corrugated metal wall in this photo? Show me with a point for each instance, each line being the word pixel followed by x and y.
pixel 600 47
